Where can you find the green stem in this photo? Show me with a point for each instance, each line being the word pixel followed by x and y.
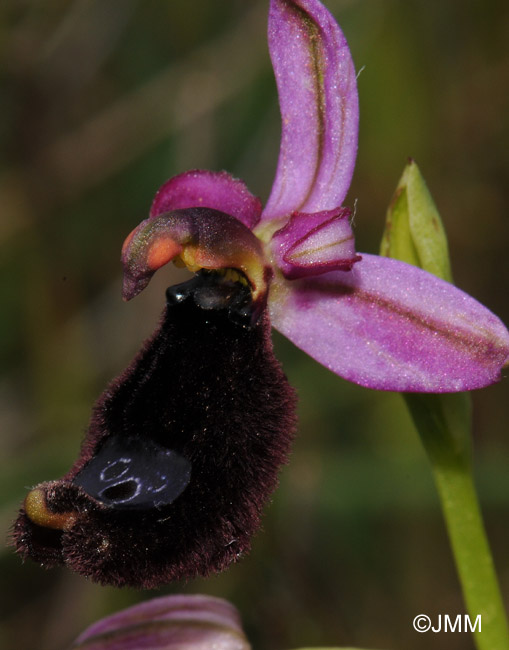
pixel 443 423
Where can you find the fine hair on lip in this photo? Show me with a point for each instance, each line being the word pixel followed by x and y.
pixel 182 452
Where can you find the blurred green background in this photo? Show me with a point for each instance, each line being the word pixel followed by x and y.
pixel 103 100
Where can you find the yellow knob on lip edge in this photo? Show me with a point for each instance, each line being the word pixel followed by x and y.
pixel 37 511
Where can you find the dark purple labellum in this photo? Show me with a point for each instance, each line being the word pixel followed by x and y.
pixel 182 451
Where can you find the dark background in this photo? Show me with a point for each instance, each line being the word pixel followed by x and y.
pixel 103 100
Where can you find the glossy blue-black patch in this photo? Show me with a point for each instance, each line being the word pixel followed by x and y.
pixel 135 473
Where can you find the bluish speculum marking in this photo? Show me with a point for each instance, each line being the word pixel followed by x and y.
pixel 128 472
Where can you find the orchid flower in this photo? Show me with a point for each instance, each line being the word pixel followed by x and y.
pixel 168 623
pixel 184 448
pixel 374 321
pixel 176 622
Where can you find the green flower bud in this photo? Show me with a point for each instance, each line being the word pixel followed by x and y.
pixel 413 229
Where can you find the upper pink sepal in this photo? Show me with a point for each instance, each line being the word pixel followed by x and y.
pixel 203 189
pixel 317 89
pixel 312 244
pixel 391 326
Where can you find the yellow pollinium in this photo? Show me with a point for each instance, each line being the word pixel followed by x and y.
pixel 234 276
pixel 37 511
pixel 245 267
pixel 188 259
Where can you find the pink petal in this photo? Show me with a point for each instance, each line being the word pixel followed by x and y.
pixel 204 189
pixel 168 623
pixel 319 108
pixel 391 326
pixel 312 244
